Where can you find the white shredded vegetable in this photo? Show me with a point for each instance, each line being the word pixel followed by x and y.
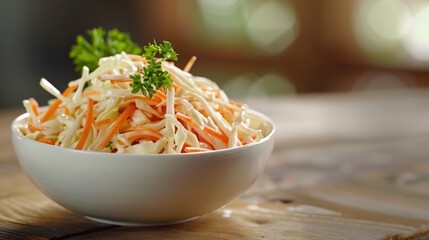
pixel 99 112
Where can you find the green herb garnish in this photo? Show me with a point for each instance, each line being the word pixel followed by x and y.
pixel 86 53
pixel 109 145
pixel 152 77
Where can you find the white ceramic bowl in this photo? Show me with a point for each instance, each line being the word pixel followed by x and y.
pixel 136 189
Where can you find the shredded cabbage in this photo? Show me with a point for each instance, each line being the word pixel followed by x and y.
pixel 195 115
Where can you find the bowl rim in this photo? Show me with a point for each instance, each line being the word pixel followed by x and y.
pixel 16 133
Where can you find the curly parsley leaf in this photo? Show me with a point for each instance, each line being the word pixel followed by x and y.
pixel 110 145
pixel 87 53
pixel 152 77
pixel 167 51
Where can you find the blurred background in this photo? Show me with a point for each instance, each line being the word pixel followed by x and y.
pixel 249 47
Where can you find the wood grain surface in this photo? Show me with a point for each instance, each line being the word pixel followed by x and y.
pixel 344 167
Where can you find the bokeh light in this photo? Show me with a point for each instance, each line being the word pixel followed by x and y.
pixel 265 26
pixel 271 26
pixel 221 18
pixel 393 32
pixel 416 41
pixel 270 85
pixel 380 26
pixel 250 85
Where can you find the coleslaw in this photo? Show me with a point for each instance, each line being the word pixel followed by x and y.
pixel 99 112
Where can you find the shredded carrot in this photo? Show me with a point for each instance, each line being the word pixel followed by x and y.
pixel 162 109
pixel 190 64
pixel 217 93
pixel 235 103
pixel 51 110
pixel 139 58
pixel 142 128
pixel 34 128
pixel 142 135
pixel 143 98
pixel 195 149
pixel 187 119
pixel 202 139
pixel 88 119
pixel 129 110
pixel 160 94
pixel 226 113
pixel 228 108
pixel 185 124
pixel 223 137
pixel 102 122
pixel 201 110
pixel 69 90
pixel 175 85
pixel 87 127
pixel 90 92
pixel 120 80
pixel 193 124
pixel 187 144
pixel 34 106
pixel 157 99
pixel 67 111
pixel 46 140
pixel 154 118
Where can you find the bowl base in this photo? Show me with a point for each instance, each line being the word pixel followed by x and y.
pixel 140 224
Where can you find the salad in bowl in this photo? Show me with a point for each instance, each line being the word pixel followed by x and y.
pixel 137 140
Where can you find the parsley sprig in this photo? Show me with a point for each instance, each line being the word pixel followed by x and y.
pixel 87 53
pixel 148 81
pixel 152 77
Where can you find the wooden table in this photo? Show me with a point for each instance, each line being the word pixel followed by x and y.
pixel 351 166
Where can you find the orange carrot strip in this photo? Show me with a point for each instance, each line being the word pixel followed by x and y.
pixel 187 119
pixel 160 94
pixel 46 140
pixel 187 144
pixel 203 140
pixel 142 128
pixel 51 110
pixel 87 127
pixel 142 136
pixel 157 99
pixel 67 111
pixel 143 98
pixel 137 58
pixel 120 80
pixel 34 128
pixel 129 110
pixel 235 103
pixel 102 122
pixel 69 90
pixel 254 136
pixel 190 64
pixel 34 106
pixel 216 134
pixel 195 149
pixel 227 108
pixel 175 85
pixel 185 124
pixel 90 92
pixel 193 124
